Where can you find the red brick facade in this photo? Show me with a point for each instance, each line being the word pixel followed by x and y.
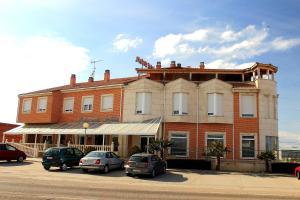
pixel 5 127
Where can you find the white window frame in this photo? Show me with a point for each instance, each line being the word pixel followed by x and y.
pixel 187 141
pixel 247 115
pixel 101 106
pixel 64 106
pixel 180 110
pixel 217 111
pixel 29 111
pixel 82 104
pixel 216 133
pixel 241 145
pixel 143 107
pixel 38 105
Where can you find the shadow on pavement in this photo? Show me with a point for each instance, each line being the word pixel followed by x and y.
pixel 14 163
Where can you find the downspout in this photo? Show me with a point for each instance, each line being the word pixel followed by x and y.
pixel 233 124
pixel 164 112
pixel 197 134
pixel 121 104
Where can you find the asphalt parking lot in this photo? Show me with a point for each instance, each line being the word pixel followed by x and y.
pixel 16 177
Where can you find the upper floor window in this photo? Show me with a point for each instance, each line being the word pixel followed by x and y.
pixel 143 103
pixel 68 104
pixel 87 103
pixel 215 104
pixel 248 106
pixel 266 104
pixel 180 103
pixel 42 104
pixel 27 105
pixel 274 107
pixel 107 102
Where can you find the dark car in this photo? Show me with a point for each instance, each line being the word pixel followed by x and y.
pixel 8 152
pixel 101 160
pixel 145 164
pixel 62 157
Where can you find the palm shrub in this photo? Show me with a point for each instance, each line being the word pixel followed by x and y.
pixel 160 146
pixel 216 149
pixel 267 156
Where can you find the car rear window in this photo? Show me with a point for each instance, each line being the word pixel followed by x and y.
pixel 139 159
pixel 51 152
pixel 95 154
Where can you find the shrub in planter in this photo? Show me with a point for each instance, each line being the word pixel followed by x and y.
pixel 134 150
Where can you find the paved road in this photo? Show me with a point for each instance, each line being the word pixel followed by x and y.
pixel 30 181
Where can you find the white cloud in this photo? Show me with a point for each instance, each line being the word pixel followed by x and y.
pixel 124 43
pixel 289 140
pixel 35 63
pixel 227 47
pixel 222 64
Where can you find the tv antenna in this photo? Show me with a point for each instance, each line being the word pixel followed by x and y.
pixel 93 62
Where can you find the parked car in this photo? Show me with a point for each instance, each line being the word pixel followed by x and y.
pixel 297 172
pixel 62 157
pixel 145 164
pixel 101 160
pixel 8 152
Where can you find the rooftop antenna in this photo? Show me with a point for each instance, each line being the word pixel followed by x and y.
pixel 94 61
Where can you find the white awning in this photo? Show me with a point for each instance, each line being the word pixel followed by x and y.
pixel 149 127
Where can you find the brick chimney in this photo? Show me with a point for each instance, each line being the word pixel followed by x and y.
pixel 73 80
pixel 173 64
pixel 202 66
pixel 107 75
pixel 158 65
pixel 91 79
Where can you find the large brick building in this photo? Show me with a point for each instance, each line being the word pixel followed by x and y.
pixel 192 106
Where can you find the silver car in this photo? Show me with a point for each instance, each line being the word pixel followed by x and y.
pixel 101 160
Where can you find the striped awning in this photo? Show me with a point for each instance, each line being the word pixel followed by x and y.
pixel 149 127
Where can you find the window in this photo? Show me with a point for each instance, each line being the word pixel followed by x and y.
pixel 215 104
pixel 27 105
pixel 87 103
pixel 180 144
pixel 214 138
pixel 78 152
pixel 248 146
pixel 42 104
pixel 180 103
pixel 266 103
pixel 68 104
pixel 107 102
pixel 248 106
pixel 275 107
pixel 10 148
pixel 143 103
pixel 271 143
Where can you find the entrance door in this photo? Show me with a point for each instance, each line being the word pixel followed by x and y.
pixel 145 141
pixel 98 139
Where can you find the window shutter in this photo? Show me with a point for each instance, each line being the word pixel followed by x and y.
pixel 210 104
pixel 42 104
pixel 266 103
pixel 88 103
pixel 139 102
pixel 248 103
pixel 147 103
pixel 68 105
pixel 219 105
pixel 27 105
pixel 176 104
pixel 107 102
pixel 184 103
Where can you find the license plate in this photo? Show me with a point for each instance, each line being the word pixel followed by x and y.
pixel 136 170
pixel 49 158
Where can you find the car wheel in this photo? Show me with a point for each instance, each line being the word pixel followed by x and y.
pixel 20 159
pixel 63 167
pixel 85 170
pixel 298 175
pixel 153 173
pixel 164 169
pixel 106 169
pixel 122 165
pixel 46 167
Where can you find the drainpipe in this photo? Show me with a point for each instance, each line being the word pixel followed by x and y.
pixel 197 134
pixel 121 104
pixel 164 112
pixel 233 129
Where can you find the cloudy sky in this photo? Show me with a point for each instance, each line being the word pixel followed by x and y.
pixel 43 42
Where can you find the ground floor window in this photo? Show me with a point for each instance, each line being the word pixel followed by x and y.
pixel 145 141
pixel 213 138
pixel 271 143
pixel 81 140
pixel 179 144
pixel 248 146
pixel 47 139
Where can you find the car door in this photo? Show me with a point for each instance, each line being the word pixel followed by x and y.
pixel 11 152
pixel 2 152
pixel 116 161
pixel 69 156
pixel 78 156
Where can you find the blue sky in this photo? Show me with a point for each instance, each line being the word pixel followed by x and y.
pixel 43 42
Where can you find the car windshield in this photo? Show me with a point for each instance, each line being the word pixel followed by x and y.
pixel 51 152
pixel 95 154
pixel 139 159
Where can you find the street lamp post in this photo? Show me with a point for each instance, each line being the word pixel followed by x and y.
pixel 85 125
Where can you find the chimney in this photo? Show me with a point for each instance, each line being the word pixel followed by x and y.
pixel 73 80
pixel 178 65
pixel 91 79
pixel 107 75
pixel 173 64
pixel 202 66
pixel 158 65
